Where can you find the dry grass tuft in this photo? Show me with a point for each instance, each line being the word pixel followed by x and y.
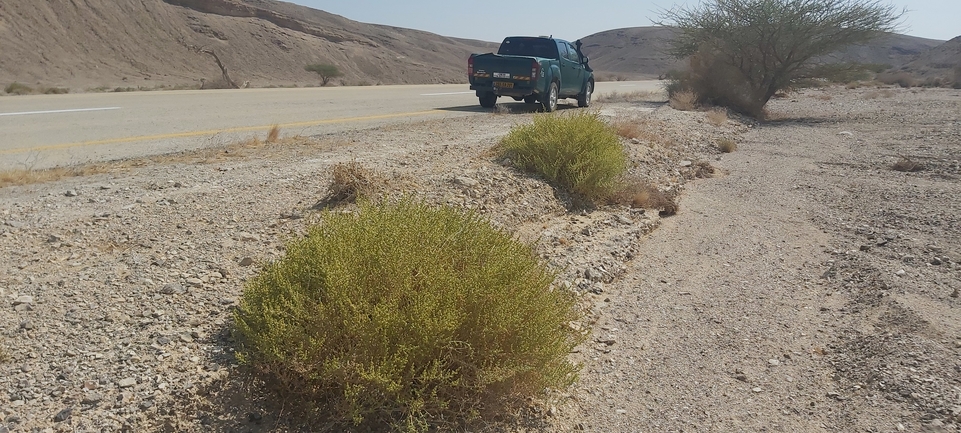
pixel 683 101
pixel 274 134
pixel 642 195
pixel 352 181
pixel 702 170
pixel 26 176
pixel 642 130
pixel 501 109
pixel 717 116
pixel 726 145
pixel 208 155
pixel 627 128
pixel 875 94
pixel 823 97
pixel 907 165
pixel 635 96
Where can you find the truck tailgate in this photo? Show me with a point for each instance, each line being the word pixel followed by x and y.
pixel 503 71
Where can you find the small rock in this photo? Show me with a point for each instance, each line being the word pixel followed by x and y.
pixel 936 261
pixel 901 427
pixel 63 415
pixel 196 282
pixel 757 389
pixel 773 362
pixel 901 273
pixel 91 398
pixel 246 261
pixel 248 237
pixel 846 133
pixel 686 163
pixel 173 289
pixel 70 193
pixel 23 299
pixel 466 181
pixel 127 383
pixel 621 411
pixel 955 293
pixel 609 341
pixel 26 324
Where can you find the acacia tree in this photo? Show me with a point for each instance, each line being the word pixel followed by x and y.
pixel 326 72
pixel 761 46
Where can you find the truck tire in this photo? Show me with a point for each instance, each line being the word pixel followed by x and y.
pixel 488 100
pixel 584 99
pixel 550 99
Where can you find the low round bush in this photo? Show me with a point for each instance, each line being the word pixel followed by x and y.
pixel 408 316
pixel 579 153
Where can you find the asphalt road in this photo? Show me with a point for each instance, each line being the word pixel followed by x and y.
pixel 43 131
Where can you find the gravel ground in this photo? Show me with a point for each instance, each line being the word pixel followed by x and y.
pixel 807 286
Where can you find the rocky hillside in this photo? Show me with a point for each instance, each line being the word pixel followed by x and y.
pixel 943 62
pixel 143 43
pixel 640 52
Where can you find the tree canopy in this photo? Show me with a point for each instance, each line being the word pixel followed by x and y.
pixel 326 71
pixel 766 44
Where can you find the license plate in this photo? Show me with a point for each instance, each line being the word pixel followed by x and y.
pixel 501 75
pixel 503 85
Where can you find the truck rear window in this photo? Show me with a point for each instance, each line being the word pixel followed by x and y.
pixel 533 47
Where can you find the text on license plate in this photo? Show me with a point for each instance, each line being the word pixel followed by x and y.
pixel 503 85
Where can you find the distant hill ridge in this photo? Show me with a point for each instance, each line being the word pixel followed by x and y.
pixel 143 44
pixel 640 52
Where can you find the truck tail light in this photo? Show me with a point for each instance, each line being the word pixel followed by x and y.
pixel 470 66
pixel 535 70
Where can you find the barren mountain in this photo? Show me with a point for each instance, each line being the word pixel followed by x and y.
pixel 134 43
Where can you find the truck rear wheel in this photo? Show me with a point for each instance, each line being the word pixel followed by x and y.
pixel 488 100
pixel 584 99
pixel 550 99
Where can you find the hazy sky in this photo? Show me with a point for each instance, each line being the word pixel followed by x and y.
pixel 491 20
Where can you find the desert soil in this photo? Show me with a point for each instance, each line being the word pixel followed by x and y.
pixel 805 286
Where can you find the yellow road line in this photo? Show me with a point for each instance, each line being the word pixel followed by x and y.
pixel 212 132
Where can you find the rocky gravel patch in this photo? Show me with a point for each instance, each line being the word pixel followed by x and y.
pixel 807 286
pixel 117 290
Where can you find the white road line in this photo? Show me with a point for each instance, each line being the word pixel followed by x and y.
pixel 76 110
pixel 448 93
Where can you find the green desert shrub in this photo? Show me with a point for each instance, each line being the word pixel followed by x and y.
pixel 56 91
pixel 404 316
pixel 18 89
pixel 577 152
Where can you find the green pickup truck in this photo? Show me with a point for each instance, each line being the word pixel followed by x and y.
pixel 534 70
